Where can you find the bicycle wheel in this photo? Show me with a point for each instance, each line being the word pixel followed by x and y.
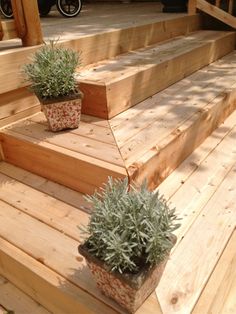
pixel 69 8
pixel 6 9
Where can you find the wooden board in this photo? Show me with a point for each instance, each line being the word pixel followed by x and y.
pixel 13 299
pixel 190 276
pixel 58 164
pixel 163 158
pixel 106 42
pixel 51 213
pixel 56 190
pixel 119 84
pixel 98 130
pixel 48 288
pixel 219 294
pixel 196 160
pixel 9 30
pixel 173 103
pixel 16 105
pixel 74 141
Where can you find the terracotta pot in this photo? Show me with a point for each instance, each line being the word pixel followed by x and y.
pixel 62 113
pixel 129 290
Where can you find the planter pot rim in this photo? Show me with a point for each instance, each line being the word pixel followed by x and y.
pixel 136 280
pixel 75 95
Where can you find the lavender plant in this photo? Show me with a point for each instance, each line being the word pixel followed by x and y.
pixel 129 227
pixel 51 72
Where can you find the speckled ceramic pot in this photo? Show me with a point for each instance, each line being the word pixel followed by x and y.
pixel 130 291
pixel 64 113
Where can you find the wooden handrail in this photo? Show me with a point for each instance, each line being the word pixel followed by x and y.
pixel 214 10
pixel 26 23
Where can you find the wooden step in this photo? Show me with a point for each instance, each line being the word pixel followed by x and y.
pixel 120 83
pixel 106 41
pixel 206 202
pixel 45 263
pixel 73 158
pixel 155 136
pixel 147 141
pixel 41 256
pixel 13 300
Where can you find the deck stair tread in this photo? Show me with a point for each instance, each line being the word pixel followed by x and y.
pixel 143 126
pixel 52 248
pixel 14 300
pixel 132 62
pixel 114 85
pixel 69 155
pixel 206 203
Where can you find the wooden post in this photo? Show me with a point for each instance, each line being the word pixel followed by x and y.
pixel 27 19
pixel 1 29
pixel 192 7
pixel 231 6
pixel 19 19
pixel 218 3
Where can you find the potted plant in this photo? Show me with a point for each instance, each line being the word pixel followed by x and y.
pixel 128 241
pixel 51 75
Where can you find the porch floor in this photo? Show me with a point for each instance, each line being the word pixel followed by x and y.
pixel 97 18
pixel 200 276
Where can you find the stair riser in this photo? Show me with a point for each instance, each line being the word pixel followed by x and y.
pixel 16 105
pixel 162 160
pixel 44 286
pixel 108 101
pixel 75 173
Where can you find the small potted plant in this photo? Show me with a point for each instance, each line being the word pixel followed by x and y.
pixel 51 75
pixel 128 241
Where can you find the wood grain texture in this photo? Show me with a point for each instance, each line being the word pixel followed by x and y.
pixel 218 222
pixel 105 41
pixel 163 158
pixel 58 164
pixel 9 30
pixel 133 77
pixel 15 102
pixel 59 192
pixel 218 296
pixel 48 288
pixel 13 299
pixel 196 160
pixel 72 141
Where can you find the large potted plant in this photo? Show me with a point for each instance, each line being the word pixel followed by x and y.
pixel 128 241
pixel 51 75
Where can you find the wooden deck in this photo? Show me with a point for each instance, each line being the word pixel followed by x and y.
pixel 97 18
pixel 147 141
pixel 42 173
pixel 40 257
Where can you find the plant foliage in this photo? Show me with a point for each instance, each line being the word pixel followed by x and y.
pixel 129 227
pixel 51 73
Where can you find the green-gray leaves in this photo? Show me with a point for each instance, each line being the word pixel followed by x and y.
pixel 129 228
pixel 51 72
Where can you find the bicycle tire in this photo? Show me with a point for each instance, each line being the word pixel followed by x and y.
pixel 6 9
pixel 69 8
pixel 44 7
